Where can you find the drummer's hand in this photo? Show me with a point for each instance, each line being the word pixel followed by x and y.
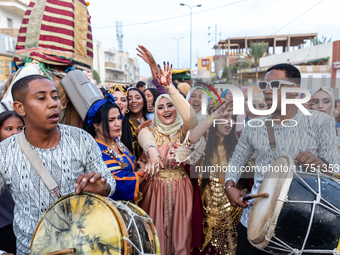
pixel 92 182
pixel 234 195
pixel 309 160
pixel 154 163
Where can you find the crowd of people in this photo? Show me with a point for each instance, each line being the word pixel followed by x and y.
pixel 140 144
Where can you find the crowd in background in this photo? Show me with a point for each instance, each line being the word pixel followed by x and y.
pixel 149 138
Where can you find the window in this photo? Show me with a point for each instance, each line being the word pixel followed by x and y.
pixel 9 22
pixel 205 62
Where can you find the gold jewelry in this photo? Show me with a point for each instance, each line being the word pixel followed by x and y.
pixel 127 111
pixel 119 87
pixel 210 119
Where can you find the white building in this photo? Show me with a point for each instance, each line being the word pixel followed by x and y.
pixel 11 14
pixel 314 63
pixel 113 66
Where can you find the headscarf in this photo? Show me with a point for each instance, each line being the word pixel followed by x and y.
pixel 331 95
pixel 94 108
pixel 244 89
pixel 199 115
pixel 171 129
pixel 255 90
pixel 259 97
pixel 224 93
pixel 184 87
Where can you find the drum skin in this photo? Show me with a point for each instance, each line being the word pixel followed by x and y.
pixel 93 225
pixel 294 218
pixel 289 221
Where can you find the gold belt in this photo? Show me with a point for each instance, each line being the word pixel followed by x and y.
pixel 172 174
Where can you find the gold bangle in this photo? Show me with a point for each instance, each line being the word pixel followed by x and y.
pixel 210 119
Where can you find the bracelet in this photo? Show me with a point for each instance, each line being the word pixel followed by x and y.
pixel 149 145
pixel 231 186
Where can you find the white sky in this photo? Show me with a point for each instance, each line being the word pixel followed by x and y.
pixel 246 18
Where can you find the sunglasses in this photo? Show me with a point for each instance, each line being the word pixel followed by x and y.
pixel 275 84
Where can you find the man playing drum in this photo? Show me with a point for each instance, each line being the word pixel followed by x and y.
pixel 312 141
pixel 69 154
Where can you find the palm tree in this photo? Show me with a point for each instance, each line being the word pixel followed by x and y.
pixel 317 41
pixel 256 51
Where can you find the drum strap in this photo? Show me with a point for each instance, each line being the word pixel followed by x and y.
pixel 271 137
pixel 39 167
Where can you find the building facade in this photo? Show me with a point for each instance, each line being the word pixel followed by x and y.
pixel 114 66
pixel 11 14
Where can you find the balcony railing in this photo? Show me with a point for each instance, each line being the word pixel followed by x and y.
pixel 15 6
pixel 110 64
pixel 14 32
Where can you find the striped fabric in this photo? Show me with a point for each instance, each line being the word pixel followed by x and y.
pixel 55 32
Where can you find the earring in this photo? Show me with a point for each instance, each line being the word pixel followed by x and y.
pixel 127 111
pixel 96 129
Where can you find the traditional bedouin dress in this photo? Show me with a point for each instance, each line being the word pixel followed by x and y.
pixel 168 199
pixel 215 219
pixel 122 168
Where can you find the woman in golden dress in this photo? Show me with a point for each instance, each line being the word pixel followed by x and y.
pixel 168 195
pixel 215 227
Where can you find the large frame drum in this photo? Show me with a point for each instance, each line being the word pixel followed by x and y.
pixel 301 215
pixel 93 224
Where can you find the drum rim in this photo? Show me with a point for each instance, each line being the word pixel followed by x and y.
pixel 270 225
pixel 103 199
pixel 152 226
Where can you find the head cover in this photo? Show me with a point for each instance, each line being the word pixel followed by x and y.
pixel 171 129
pixel 94 109
pixel 184 87
pixel 200 116
pixel 119 88
pixel 331 96
pixel 224 93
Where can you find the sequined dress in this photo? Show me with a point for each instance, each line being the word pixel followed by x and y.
pixel 220 218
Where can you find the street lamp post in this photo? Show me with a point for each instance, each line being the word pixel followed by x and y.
pixel 199 5
pixel 178 49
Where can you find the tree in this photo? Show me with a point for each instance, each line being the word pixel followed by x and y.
pixel 316 40
pixel 229 72
pixel 256 51
pixel 96 76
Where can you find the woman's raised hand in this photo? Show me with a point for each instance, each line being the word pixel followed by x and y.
pixel 225 109
pixel 145 55
pixel 154 163
pixel 165 76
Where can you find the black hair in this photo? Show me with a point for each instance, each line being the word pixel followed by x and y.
pixel 183 95
pixel 20 87
pixel 229 143
pixel 155 94
pixel 140 84
pixel 292 73
pixel 175 84
pixel 104 91
pixel 101 117
pixel 7 114
pixel 145 108
pixel 127 137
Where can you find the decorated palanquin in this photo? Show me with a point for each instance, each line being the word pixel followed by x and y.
pixel 55 37
pixel 56 32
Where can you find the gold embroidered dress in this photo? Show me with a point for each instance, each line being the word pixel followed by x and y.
pixel 220 218
pixel 168 199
